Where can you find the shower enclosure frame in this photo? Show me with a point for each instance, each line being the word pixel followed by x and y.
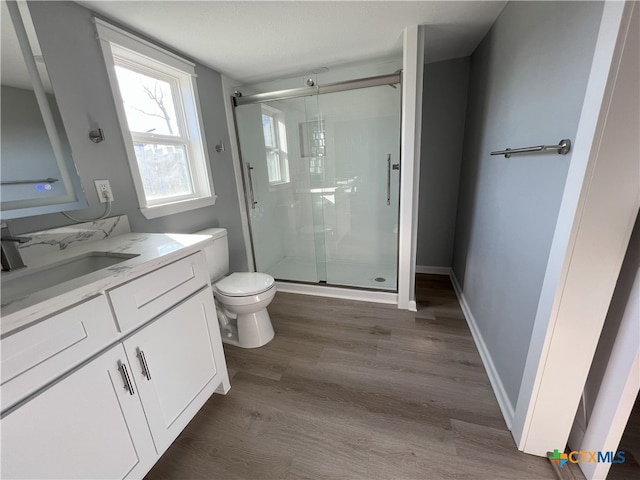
pixel 388 79
pixel 237 99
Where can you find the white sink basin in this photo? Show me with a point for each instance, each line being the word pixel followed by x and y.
pixel 20 283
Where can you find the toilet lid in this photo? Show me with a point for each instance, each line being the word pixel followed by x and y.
pixel 245 283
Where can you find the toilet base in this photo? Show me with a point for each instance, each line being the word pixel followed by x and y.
pixel 248 330
pixel 254 329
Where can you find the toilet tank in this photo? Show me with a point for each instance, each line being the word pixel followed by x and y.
pixel 217 254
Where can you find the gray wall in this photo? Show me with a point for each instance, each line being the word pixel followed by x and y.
pixel 79 78
pixel 26 150
pixel 444 103
pixel 527 84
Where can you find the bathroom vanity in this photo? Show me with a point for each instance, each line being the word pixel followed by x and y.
pixel 101 372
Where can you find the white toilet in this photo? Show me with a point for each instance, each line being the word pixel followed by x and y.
pixel 241 298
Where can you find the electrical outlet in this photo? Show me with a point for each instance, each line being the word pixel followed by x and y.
pixel 104 190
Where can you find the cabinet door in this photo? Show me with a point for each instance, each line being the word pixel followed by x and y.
pixel 87 425
pixel 178 362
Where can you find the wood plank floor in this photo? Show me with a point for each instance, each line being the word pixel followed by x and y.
pixel 353 390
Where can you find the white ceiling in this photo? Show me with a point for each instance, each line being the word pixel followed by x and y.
pixel 258 40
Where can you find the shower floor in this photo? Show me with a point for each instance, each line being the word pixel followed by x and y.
pixel 338 273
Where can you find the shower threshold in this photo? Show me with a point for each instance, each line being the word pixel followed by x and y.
pixel 339 274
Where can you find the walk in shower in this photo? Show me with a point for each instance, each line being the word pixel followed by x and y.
pixel 321 175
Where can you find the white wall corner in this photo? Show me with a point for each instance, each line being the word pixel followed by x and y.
pixel 227 92
pixel 413 60
pixel 506 407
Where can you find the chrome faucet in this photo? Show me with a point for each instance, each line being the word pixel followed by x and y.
pixel 11 259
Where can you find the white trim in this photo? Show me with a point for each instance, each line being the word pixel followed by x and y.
pixel 111 33
pixel 107 55
pixel 188 135
pixel 178 207
pixel 337 292
pixel 182 71
pixel 617 419
pixel 618 391
pixel 412 60
pixel 585 256
pixel 207 174
pixel 415 188
pixel 506 407
pixel 433 270
pixel 227 92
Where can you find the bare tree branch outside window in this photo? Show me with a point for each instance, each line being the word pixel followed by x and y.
pixel 157 96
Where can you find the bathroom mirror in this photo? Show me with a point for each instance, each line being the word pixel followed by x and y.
pixel 37 171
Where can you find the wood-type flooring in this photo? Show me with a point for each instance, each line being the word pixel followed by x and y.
pixel 354 390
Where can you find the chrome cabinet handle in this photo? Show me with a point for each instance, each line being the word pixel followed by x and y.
pixel 249 175
pixel 145 367
pixel 125 376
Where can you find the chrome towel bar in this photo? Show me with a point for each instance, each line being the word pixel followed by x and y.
pixel 24 182
pixel 562 148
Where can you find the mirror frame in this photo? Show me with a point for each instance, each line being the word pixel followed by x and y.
pixel 65 163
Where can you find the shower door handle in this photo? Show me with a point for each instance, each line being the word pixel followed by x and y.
pixel 388 179
pixel 395 166
pixel 253 201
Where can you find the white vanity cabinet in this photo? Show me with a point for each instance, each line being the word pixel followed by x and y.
pixel 102 389
pixel 87 425
pixel 176 365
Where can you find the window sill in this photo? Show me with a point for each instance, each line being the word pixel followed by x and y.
pixel 177 207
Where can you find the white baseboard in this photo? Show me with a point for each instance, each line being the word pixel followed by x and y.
pixel 506 407
pixel 433 270
pixel 336 292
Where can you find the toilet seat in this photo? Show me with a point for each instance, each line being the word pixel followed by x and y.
pixel 242 284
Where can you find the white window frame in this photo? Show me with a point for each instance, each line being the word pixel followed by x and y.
pixel 283 156
pixel 123 48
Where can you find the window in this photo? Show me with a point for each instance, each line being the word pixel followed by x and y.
pixel 275 143
pixel 158 110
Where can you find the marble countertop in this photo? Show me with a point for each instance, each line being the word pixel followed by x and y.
pixel 153 251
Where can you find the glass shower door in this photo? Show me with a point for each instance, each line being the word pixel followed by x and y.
pixel 361 186
pixel 286 225
pixel 321 178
